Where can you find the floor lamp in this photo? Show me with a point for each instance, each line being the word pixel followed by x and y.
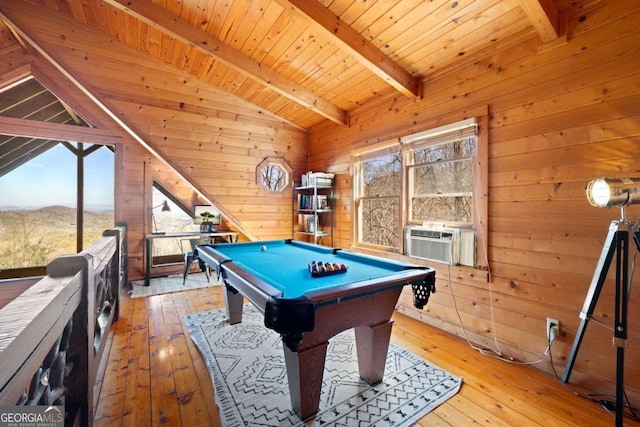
pixel 607 192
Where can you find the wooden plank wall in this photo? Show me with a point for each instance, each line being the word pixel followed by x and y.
pixel 211 139
pixel 558 118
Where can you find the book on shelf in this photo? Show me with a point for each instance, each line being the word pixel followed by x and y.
pixel 322 201
pixel 307 223
pixel 311 202
pixel 320 179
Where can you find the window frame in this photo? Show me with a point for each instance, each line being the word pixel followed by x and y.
pixel 406 144
pixel 448 134
pixel 377 151
pixel 265 169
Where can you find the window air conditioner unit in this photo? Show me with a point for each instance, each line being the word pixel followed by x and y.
pixel 448 245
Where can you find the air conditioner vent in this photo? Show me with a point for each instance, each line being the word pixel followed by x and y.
pixel 448 245
pixel 430 234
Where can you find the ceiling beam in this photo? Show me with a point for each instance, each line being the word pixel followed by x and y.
pixel 543 15
pixel 15 76
pixel 350 41
pixel 26 46
pixel 44 130
pixel 159 18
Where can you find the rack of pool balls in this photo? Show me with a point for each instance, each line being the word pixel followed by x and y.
pixel 319 269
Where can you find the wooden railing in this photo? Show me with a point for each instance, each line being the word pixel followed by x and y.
pixel 53 335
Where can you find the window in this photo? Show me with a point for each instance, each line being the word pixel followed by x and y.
pixel 57 194
pixel 273 174
pixel 379 203
pixel 39 218
pixel 432 176
pixel 378 198
pixel 169 216
pixel 440 176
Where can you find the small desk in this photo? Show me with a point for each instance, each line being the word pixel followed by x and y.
pixel 230 236
pixel 307 311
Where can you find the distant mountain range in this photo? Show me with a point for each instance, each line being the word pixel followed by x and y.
pixel 93 208
pixel 59 216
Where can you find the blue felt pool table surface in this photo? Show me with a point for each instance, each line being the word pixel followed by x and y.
pixel 284 265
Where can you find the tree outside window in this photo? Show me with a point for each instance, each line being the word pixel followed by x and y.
pixel 379 205
pixel 273 174
pixel 441 182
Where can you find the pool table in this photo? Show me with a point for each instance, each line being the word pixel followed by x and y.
pixel 308 310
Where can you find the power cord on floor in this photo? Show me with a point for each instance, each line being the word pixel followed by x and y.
pixel 603 400
pixel 607 402
pixel 490 352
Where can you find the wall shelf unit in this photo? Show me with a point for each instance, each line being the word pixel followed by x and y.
pixel 313 212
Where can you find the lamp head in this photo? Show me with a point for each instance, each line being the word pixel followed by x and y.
pixel 608 192
pixel 165 207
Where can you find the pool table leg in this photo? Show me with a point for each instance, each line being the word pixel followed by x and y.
pixel 233 301
pixel 372 345
pixel 304 372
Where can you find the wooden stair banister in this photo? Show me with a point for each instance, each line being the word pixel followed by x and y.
pixel 59 325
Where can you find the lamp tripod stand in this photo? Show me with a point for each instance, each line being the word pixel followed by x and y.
pixel 616 243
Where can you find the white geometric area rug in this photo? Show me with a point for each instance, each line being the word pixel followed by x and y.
pixel 170 284
pixel 246 363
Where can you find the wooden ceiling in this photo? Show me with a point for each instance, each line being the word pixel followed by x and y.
pixel 28 99
pixel 311 60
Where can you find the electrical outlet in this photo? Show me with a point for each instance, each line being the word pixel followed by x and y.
pixel 553 329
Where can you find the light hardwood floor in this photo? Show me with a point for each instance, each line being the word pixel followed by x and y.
pixel 154 374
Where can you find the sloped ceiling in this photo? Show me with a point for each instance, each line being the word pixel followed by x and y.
pixel 307 61
pixel 29 100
